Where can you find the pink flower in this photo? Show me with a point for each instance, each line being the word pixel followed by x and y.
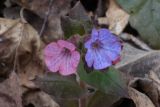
pixel 61 56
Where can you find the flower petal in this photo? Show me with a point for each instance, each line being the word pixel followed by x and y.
pixel 104 34
pixel 75 58
pixel 52 49
pixel 66 67
pixel 94 34
pixel 110 39
pixel 89 57
pixel 112 55
pixel 88 44
pixel 53 63
pixel 115 47
pixel 66 44
pixel 101 60
pixel 69 64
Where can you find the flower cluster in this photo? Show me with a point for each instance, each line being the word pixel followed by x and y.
pixel 103 50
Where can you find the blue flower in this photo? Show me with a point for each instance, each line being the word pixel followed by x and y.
pixel 103 49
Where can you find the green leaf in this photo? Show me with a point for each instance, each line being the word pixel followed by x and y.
pixel 100 99
pixel 107 82
pixel 68 102
pixel 144 18
pixel 71 27
pixel 60 86
pixel 77 21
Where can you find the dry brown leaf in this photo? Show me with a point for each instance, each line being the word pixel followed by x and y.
pixel 135 40
pixel 140 99
pixel 130 54
pixel 21 38
pixel 115 17
pixel 14 33
pixel 145 66
pixel 139 63
pixel 10 92
pixel 154 77
pixel 28 73
pixel 148 87
pixel 58 8
pixel 39 99
pixel 142 65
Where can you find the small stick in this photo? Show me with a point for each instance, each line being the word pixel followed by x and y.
pixel 46 18
pixel 139 43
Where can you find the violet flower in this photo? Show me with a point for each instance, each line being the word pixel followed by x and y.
pixel 103 49
pixel 61 56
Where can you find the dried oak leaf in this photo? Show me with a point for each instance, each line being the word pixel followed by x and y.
pixel 38 99
pixel 15 34
pixel 58 8
pixel 139 63
pixel 144 67
pixel 116 17
pixel 140 99
pixel 10 92
pixel 21 38
pixel 149 88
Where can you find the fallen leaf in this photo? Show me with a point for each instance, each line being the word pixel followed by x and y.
pixel 142 66
pixel 130 54
pixel 12 12
pixel 144 18
pixel 107 100
pixel 148 87
pixel 140 99
pixel 116 18
pixel 139 43
pixel 10 92
pixel 22 40
pixel 53 29
pixel 38 99
pixel 14 33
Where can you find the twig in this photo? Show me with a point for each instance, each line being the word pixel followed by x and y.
pixel 21 15
pixel 82 101
pixel 139 43
pixel 46 18
pixel 16 51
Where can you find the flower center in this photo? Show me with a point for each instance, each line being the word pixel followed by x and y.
pixel 66 52
pixel 97 44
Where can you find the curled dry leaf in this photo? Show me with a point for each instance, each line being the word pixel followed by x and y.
pixel 140 99
pixel 115 17
pixel 147 87
pixel 14 33
pixel 19 37
pixel 129 55
pixel 57 8
pixel 10 92
pixel 142 66
pixel 39 99
pixel 135 40
pixel 139 63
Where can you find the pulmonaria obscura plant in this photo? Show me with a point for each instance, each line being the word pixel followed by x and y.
pixel 103 50
pixel 86 58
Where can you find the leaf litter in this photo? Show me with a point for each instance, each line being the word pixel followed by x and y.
pixel 22 66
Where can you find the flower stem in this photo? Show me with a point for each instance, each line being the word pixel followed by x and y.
pixel 82 100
